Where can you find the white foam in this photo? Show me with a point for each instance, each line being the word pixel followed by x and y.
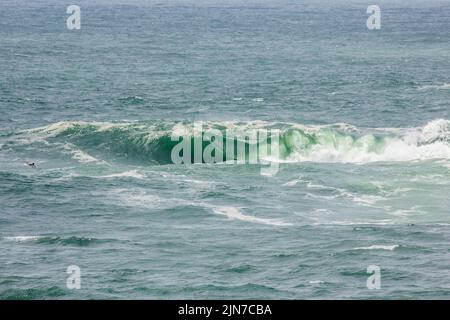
pixel 291 183
pixel 378 247
pixel 294 182
pixel 131 174
pixel 382 222
pixel 22 238
pixel 364 199
pixel 435 86
pixel 62 126
pixel 425 143
pixel 234 213
pixel 55 128
pixel 142 198
pixel 83 157
pixel 316 282
pixel 139 199
pixel 80 155
pixel 258 99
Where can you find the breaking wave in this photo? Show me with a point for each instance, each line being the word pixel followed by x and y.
pixel 151 142
pixel 70 241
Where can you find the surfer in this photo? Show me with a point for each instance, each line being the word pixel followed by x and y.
pixel 31 164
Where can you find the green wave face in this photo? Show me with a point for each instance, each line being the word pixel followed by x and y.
pixel 298 144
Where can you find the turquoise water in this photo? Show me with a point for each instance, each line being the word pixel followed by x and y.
pixel 364 168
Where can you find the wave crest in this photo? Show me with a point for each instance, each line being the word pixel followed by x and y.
pixel 341 143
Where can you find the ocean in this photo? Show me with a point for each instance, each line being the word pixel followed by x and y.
pixel 359 207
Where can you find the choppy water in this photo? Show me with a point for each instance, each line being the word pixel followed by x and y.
pixel 364 174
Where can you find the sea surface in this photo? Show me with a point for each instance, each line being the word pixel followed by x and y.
pixel 363 179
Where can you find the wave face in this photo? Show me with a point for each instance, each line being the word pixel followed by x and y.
pixel 151 142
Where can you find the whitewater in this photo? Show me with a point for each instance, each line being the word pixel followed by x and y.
pixel 151 142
